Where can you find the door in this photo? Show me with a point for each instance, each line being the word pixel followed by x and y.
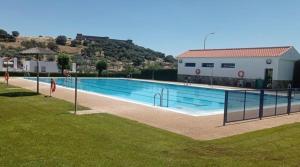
pixel 296 81
pixel 268 78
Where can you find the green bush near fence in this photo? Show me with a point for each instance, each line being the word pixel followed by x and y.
pixel 161 74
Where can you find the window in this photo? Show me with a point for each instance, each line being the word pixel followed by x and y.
pixel 190 64
pixel 228 65
pixel 43 69
pixel 208 64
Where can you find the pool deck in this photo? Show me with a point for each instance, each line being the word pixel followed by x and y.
pixel 196 127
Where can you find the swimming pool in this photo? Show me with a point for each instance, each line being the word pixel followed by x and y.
pixel 189 100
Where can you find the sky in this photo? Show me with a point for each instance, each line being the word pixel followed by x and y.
pixel 168 26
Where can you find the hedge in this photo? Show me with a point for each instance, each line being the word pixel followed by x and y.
pixel 161 74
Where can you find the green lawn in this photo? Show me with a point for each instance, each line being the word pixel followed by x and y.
pixel 38 131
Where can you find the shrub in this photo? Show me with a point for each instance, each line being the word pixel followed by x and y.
pixel 85 43
pixel 61 40
pixel 170 59
pixel 15 33
pixel 75 43
pixel 53 46
pixel 32 43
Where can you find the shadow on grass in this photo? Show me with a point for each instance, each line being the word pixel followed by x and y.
pixel 18 94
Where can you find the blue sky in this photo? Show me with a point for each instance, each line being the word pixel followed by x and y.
pixel 169 26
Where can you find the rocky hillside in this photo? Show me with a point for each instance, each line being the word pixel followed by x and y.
pixel 119 54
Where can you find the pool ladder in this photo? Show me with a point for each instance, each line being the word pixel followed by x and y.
pixel 129 76
pixel 161 97
pixel 68 81
pixel 27 74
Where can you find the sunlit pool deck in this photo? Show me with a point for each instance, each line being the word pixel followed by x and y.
pixel 197 127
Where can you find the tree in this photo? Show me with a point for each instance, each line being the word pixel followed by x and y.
pixel 61 40
pixel 10 38
pixel 85 43
pixel 154 66
pixel 52 46
pixel 137 61
pixel 63 61
pixel 100 66
pixel 3 34
pixel 15 33
pixel 75 43
pixel 169 59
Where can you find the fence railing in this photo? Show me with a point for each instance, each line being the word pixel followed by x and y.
pixel 240 105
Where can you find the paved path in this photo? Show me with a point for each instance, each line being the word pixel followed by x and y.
pixel 201 127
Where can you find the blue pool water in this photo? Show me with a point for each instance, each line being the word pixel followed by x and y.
pixel 186 99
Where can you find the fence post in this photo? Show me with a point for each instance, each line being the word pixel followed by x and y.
pixel 75 103
pixel 276 102
pixel 289 101
pixel 245 98
pixel 225 107
pixel 261 104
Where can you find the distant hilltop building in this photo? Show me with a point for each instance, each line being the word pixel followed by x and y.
pixel 82 37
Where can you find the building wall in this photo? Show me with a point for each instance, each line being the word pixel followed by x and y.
pixel 1 64
pixel 287 63
pixel 286 70
pixel 45 66
pixel 254 68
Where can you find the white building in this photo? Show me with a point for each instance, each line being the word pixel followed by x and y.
pixel 239 66
pixel 10 63
pixel 44 66
pixel 1 64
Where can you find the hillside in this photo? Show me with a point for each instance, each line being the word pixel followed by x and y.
pixel 18 44
pixel 119 54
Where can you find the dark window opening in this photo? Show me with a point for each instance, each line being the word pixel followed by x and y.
pixel 208 64
pixel 190 64
pixel 228 65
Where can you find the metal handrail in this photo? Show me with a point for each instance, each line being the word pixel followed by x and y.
pixel 129 76
pixel 160 98
pixel 67 79
pixel 26 74
pixel 162 94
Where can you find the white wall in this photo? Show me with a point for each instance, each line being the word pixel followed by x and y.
pixel 50 66
pixel 286 64
pixel 254 67
pixel 286 71
pixel 1 64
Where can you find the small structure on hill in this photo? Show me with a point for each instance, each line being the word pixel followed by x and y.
pixel 81 37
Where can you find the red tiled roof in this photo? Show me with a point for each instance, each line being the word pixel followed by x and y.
pixel 237 52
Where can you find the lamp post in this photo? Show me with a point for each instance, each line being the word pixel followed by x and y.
pixel 212 67
pixel 212 33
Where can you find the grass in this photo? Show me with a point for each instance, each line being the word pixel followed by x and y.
pixel 38 131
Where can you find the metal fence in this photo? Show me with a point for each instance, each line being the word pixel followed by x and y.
pixel 240 105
